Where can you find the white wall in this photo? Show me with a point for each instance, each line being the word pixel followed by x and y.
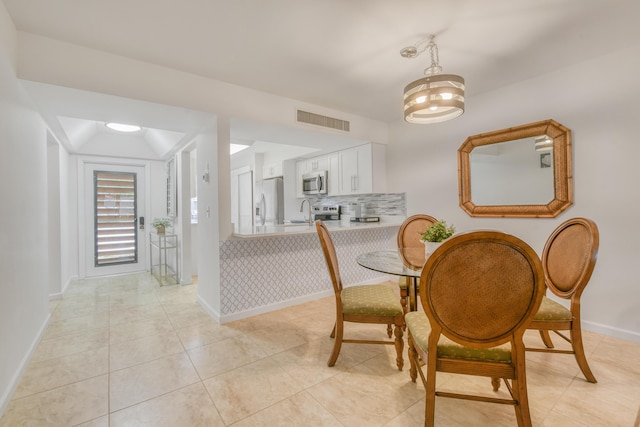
pixel 24 289
pixel 601 111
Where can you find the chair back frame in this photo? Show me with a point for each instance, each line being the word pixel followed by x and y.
pixel 569 257
pixel 490 303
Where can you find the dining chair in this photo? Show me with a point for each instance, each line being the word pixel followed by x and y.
pixel 409 237
pixel 479 291
pixel 360 304
pixel 568 259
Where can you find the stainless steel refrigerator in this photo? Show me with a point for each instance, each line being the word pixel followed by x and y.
pixel 270 201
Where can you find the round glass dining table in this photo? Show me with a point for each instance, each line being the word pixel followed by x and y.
pixel 404 262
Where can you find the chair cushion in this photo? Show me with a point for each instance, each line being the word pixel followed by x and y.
pixel 552 311
pixel 418 324
pixel 377 300
pixel 403 282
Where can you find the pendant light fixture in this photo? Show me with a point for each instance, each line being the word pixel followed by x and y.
pixel 436 97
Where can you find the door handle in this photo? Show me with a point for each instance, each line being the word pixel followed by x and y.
pixel 141 222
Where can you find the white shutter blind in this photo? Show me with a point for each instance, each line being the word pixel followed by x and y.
pixel 116 218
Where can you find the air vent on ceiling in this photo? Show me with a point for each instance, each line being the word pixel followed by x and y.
pixel 318 120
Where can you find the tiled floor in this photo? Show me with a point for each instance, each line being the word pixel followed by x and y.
pixel 124 351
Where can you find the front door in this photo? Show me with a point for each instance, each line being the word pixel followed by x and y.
pixel 114 208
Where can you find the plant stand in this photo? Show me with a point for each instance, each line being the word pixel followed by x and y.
pixel 163 250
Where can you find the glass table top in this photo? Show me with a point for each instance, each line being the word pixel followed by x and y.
pixel 406 262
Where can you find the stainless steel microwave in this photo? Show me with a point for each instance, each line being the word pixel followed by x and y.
pixel 314 183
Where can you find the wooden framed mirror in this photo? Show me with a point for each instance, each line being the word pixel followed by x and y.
pixel 524 171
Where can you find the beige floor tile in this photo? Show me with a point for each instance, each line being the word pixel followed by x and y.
pixel 58 328
pixel 136 314
pixel 188 316
pixel 372 393
pixel 65 406
pixel 70 344
pixel 225 355
pixel 132 323
pixel 244 391
pixel 201 334
pixel 274 339
pixel 586 403
pixel 129 353
pixel 300 410
pixel 123 332
pixel 97 422
pixel 58 372
pixel 133 385
pixel 186 407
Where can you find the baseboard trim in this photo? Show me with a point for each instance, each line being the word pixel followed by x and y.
pixel 15 380
pixel 611 331
pixel 213 313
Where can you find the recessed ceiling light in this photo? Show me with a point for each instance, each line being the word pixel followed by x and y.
pixel 123 128
pixel 234 148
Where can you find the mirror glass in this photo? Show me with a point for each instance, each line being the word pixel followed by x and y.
pixel 512 173
pixel 522 171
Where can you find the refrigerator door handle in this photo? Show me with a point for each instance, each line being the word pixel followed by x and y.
pixel 263 210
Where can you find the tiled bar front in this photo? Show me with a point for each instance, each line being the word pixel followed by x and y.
pixel 263 274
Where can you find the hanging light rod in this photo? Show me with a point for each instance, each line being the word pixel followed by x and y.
pixel 436 97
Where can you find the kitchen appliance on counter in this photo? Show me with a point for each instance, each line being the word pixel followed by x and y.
pixel 270 201
pixel 315 183
pixel 326 212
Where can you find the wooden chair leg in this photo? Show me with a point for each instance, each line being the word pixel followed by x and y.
pixel 399 344
pixel 546 338
pixel 389 330
pixel 495 383
pixel 413 359
pixel 333 331
pixel 337 344
pixel 430 389
pixel 578 352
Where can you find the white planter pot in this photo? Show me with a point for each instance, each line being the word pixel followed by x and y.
pixel 430 247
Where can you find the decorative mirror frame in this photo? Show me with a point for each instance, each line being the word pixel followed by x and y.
pixel 562 176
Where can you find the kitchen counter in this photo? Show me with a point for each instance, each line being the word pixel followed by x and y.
pixel 297 228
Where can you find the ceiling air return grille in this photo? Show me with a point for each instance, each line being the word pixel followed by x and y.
pixel 318 120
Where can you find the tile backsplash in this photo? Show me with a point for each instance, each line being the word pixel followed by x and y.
pixel 377 204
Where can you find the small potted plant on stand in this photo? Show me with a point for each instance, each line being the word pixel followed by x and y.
pixel 433 236
pixel 160 224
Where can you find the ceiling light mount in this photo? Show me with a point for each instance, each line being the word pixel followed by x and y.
pixel 121 127
pixel 436 97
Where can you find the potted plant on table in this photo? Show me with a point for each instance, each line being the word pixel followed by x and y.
pixel 160 224
pixel 434 235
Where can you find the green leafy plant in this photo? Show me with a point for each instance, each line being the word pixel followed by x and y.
pixel 437 232
pixel 161 222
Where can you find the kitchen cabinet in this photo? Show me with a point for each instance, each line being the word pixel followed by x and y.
pixel 356 170
pixel 272 170
pixel 334 175
pixel 320 163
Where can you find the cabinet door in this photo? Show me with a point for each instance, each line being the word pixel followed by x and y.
pixel 365 170
pixel 334 174
pixel 355 170
pixel 271 170
pixel 301 169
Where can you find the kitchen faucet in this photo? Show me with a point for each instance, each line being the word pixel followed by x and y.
pixel 309 205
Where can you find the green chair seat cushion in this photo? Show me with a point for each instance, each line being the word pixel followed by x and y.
pixel 403 282
pixel 418 324
pixel 551 310
pixel 376 300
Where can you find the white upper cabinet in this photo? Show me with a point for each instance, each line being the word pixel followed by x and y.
pixel 357 170
pixel 272 170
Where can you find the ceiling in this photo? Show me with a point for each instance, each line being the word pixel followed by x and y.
pixel 338 54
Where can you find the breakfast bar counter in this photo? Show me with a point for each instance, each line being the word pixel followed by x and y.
pixel 270 267
pixel 305 228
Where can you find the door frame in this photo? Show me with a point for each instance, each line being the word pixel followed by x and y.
pixel 83 163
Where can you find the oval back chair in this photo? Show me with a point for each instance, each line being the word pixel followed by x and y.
pixel 479 291
pixel 568 260
pixel 409 237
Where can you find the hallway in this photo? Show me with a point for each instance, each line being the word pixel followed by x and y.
pixel 124 351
